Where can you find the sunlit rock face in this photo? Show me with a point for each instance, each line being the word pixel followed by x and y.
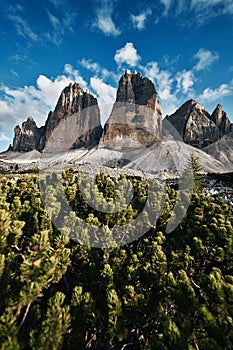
pixel 135 119
pixel 27 137
pixel 85 129
pixel 194 124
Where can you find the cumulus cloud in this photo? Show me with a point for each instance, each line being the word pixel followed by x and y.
pixel 162 79
pixel 185 81
pixel 106 95
pixel 139 20
pixel 127 54
pixel 211 95
pixel 104 21
pixel 164 85
pixel 205 58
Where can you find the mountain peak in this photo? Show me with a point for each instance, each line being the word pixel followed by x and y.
pixel 135 117
pixel 220 118
pixel 194 124
pixel 133 88
pixel 73 99
pixel 27 137
pixel 136 114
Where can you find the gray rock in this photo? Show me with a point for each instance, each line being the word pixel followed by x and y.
pixel 194 124
pixel 135 119
pixel 222 150
pixel 27 138
pixel 74 100
pixel 220 118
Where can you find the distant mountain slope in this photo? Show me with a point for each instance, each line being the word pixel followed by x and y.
pixel 197 127
pixel 222 150
pixel 134 136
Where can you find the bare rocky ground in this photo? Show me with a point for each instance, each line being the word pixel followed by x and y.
pixel 166 158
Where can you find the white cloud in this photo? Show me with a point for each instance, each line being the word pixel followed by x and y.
pixel 167 5
pixel 164 85
pixel 106 95
pixel 57 3
pixel 162 79
pixel 97 69
pixel 197 12
pixel 185 81
pixel 54 20
pixel 3 137
pixel 228 10
pixel 104 21
pixel 23 28
pixel 74 75
pixel 205 58
pixel 207 9
pixel 127 54
pixel 59 25
pixel 139 20
pixel 211 95
pixel 201 5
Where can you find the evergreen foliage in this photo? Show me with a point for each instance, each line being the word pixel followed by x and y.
pixel 162 291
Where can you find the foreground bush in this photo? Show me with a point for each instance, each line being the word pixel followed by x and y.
pixel 162 291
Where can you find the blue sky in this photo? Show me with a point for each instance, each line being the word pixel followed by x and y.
pixel 185 47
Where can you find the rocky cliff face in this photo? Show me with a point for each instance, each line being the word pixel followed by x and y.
pixel 27 138
pixel 194 124
pixel 220 118
pixel 74 100
pixel 85 132
pixel 135 119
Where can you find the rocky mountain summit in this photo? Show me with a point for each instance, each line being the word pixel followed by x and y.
pixel 134 136
pixel 136 118
pixel 197 127
pixel 220 118
pixel 28 137
pixel 72 101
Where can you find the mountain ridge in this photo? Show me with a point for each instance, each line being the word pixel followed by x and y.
pixel 193 122
pixel 134 122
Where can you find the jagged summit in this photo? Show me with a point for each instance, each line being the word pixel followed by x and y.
pixel 135 121
pixel 133 88
pixel 141 122
pixel 73 99
pixel 197 126
pixel 27 137
pixel 194 124
pixel 136 115
pixel 220 118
